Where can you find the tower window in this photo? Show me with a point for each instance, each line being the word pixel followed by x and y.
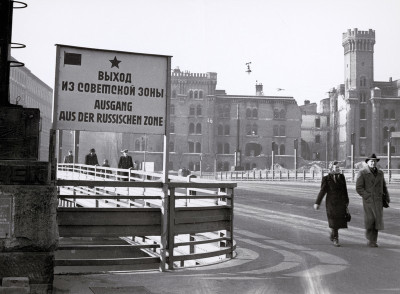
pixel 198 128
pixel 282 131
pixel 362 132
pixel 220 130
pixel 219 148
pixel 191 147
pixel 282 149
pixel 276 130
pixel 198 147
pixel 226 148
pixel 191 128
pixel 192 110
pixel 318 139
pixel 255 113
pixel 385 133
pixel 386 113
pixel 198 110
pixel 227 130
pixel 248 112
pixel 276 113
pixel 362 114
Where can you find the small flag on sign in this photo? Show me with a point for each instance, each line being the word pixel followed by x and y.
pixel 72 58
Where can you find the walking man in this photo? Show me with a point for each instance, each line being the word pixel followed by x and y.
pixel 371 186
pixel 91 158
pixel 69 158
pixel 125 162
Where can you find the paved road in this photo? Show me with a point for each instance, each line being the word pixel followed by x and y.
pixel 283 247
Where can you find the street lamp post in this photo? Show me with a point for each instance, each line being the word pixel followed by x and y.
pixel 201 163
pixel 352 155
pixel 295 158
pixel 388 154
pixel 238 155
pixel 272 157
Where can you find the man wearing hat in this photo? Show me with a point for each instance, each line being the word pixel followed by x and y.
pixel 371 186
pixel 125 162
pixel 69 158
pixel 91 158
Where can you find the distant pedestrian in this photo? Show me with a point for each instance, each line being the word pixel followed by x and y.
pixel 91 159
pixel 337 200
pixel 105 171
pixel 69 158
pixel 371 186
pixel 105 163
pixel 125 162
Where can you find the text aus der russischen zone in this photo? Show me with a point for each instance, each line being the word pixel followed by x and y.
pixel 98 116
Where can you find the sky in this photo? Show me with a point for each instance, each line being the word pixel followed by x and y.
pixel 292 45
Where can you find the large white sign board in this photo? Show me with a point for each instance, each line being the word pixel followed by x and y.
pixel 110 91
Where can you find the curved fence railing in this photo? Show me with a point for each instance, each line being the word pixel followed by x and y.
pixel 107 218
pixel 291 175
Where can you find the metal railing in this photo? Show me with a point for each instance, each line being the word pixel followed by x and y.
pixel 291 175
pixel 196 217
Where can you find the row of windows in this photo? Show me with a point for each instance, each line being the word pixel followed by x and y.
pixel 251 113
pixel 386 114
pixel 363 97
pixel 279 131
pixel 193 129
pixel 389 114
pixel 392 149
pixel 279 114
pixel 193 110
pixel 224 111
pixel 193 94
pixel 363 81
pixel 193 147
pixel 386 131
pixel 251 129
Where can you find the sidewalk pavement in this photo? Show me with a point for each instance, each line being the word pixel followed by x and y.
pixel 215 278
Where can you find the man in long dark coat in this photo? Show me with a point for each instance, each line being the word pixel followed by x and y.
pixel 125 162
pixel 371 186
pixel 337 200
pixel 91 159
pixel 69 158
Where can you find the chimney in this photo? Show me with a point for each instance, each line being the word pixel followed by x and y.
pixel 259 89
pixel 306 102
